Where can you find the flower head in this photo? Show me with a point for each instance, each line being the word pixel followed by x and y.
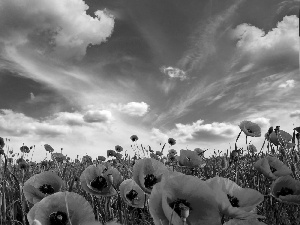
pixel 118 148
pixel 134 138
pixel 41 185
pixel 101 158
pixel 250 129
pixel 252 148
pixel 59 157
pixel 286 189
pixel 147 172
pixel 272 167
pixel 24 149
pixel 279 138
pixel 233 200
pixel 172 152
pixel 132 194
pixel 48 148
pixel 183 196
pixel 199 151
pixel 190 159
pixel 62 208
pixel 111 153
pixel 171 141
pixel 2 142
pixel 95 180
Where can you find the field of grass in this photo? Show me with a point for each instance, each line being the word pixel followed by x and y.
pixel 104 198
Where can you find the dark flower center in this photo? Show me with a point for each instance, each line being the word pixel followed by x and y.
pixel 285 191
pixel 99 183
pixel 189 159
pixel 47 189
pixel 132 195
pixel 249 130
pixel 58 218
pixel 178 204
pixel 272 169
pixel 233 201
pixel 150 181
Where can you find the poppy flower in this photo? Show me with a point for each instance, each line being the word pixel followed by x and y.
pixel 62 208
pixel 183 193
pixel 111 153
pixel 286 189
pixel 171 141
pixel 118 155
pixel 132 194
pixel 297 129
pixel 199 151
pixel 250 129
pixel 86 159
pixel 118 148
pixel 172 152
pixel 94 180
pixel 244 222
pixel 2 144
pixel 190 159
pixel 147 172
pixel 233 200
pixel 24 149
pixel 58 157
pixel 134 138
pixel 279 138
pixel 154 156
pixel 101 158
pixel 41 185
pixel 272 167
pixel 252 149
pixel 158 153
pixel 48 148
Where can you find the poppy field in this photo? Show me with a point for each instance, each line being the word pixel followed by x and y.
pixel 259 185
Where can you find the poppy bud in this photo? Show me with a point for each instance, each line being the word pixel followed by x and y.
pixel 298 136
pixel 1 151
pixel 270 130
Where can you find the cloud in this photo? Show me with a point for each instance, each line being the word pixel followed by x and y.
pixel 259 47
pixel 133 108
pixel 203 45
pixel 295 113
pixel 18 124
pixel 173 73
pixel 32 96
pixel 71 119
pixel 287 84
pixel 197 131
pixel 98 116
pixel 59 28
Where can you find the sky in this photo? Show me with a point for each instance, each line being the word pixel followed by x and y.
pixel 86 75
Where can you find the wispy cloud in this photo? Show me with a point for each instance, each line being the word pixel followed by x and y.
pixel 287 84
pixel 295 113
pixel 132 108
pixel 203 44
pixel 173 73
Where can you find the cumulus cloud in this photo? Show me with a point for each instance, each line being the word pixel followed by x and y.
pixel 18 124
pixel 133 108
pixel 71 119
pixel 197 130
pixel 173 72
pixel 295 113
pixel 98 116
pixel 287 84
pixel 281 43
pixel 60 28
